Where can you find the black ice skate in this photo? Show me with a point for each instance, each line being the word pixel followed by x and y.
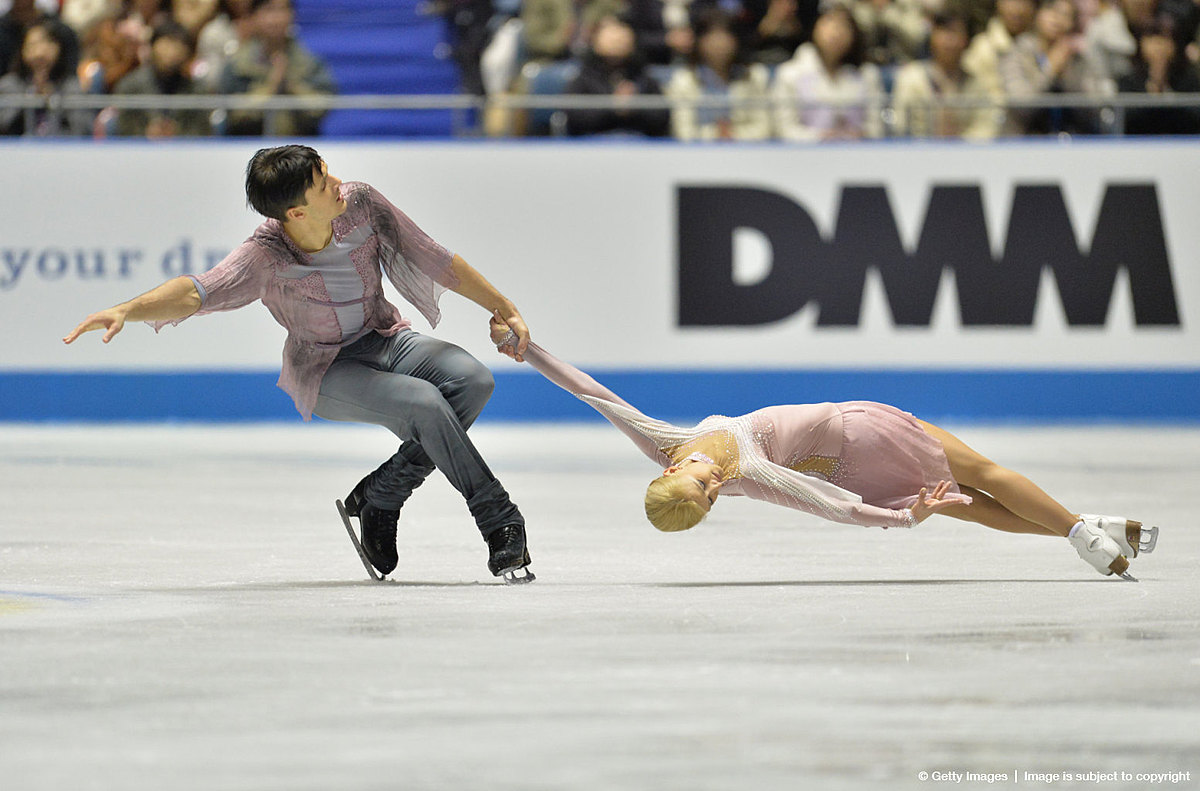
pixel 507 555
pixel 377 547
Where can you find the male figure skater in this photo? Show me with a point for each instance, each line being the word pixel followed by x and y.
pixel 316 263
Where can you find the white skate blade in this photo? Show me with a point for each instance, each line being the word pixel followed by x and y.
pixel 1129 577
pixel 375 575
pixel 511 577
pixel 1148 539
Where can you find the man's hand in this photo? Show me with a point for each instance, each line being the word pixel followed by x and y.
pixel 112 320
pixel 926 506
pixel 173 300
pixel 500 327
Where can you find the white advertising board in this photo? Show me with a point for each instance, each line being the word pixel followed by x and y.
pixel 596 243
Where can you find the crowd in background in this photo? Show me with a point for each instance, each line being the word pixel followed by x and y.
pixel 836 69
pixel 155 47
pixel 732 69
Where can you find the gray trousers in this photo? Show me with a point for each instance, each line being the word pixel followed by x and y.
pixel 428 393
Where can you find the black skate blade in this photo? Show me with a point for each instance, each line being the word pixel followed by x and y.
pixel 511 578
pixel 375 575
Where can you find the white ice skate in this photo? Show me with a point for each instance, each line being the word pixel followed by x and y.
pixel 1098 548
pixel 1130 536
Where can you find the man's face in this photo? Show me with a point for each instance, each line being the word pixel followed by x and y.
pixel 169 55
pixel 323 200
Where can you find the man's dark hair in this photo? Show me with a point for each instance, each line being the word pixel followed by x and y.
pixel 172 29
pixel 277 178
pixel 951 17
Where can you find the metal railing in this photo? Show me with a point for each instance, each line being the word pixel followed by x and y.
pixel 466 108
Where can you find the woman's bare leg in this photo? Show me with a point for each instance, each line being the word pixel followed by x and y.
pixel 985 510
pixel 1012 491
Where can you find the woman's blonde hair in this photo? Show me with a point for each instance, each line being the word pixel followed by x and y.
pixel 668 509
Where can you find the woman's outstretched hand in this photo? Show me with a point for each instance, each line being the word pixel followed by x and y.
pixel 928 504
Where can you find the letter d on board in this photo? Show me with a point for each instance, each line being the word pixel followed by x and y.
pixel 178 259
pixel 708 293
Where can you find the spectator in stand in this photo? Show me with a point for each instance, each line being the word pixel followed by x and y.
pixel 548 29
pixel 662 29
pixel 23 15
pixel 560 29
pixel 221 36
pixel 982 58
pixel 613 67
pixel 166 72
pixel 894 31
pixel 1051 59
pixel 470 28
pixel 1159 69
pixel 828 91
pixel 194 16
pixel 1111 38
pixel 718 69
pixel 112 49
pixel 1184 18
pixel 772 30
pixel 273 63
pixel 42 70
pixel 83 15
pixel 921 84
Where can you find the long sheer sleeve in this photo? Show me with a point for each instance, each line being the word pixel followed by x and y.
pixel 648 434
pixel 239 279
pixel 416 265
pixel 765 480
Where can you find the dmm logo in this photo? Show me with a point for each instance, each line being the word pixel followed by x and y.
pixel 805 267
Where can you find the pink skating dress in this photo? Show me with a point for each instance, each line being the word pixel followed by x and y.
pixel 856 462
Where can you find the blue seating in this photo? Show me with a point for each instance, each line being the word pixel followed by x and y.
pixel 381 47
pixel 548 79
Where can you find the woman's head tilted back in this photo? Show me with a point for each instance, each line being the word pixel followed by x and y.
pixel 683 494
pixel 668 508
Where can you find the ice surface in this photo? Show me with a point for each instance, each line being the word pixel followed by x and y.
pixel 180 609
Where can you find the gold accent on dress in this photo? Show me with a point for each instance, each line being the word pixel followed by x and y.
pixel 824 466
pixel 714 444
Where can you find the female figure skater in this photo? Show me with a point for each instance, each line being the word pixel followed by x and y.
pixel 857 462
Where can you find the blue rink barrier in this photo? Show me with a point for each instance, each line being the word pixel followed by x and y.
pixel 1044 396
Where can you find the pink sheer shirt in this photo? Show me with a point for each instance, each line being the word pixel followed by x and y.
pixel 270 267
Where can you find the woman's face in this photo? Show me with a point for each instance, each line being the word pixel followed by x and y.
pixel 1017 15
pixel 1056 20
pixel 717 47
pixel 613 40
pixel 702 481
pixel 274 20
pixel 833 35
pixel 948 42
pixel 40 52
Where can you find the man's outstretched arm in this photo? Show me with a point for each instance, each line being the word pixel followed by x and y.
pixel 476 288
pixel 175 299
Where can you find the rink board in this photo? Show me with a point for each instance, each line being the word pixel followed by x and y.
pixel 1031 280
